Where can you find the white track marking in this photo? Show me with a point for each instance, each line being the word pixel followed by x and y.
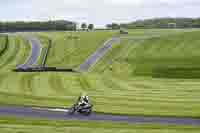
pixel 59 110
pixel 51 109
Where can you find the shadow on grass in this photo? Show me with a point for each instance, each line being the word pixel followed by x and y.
pixel 177 72
pixel 45 69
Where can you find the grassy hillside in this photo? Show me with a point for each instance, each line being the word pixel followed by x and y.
pixel 71 49
pixel 168 56
pixel 12 125
pixel 123 82
pixel 152 75
pixel 2 44
pixel 15 53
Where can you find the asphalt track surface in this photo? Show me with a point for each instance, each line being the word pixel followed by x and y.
pixel 98 54
pixel 61 114
pixel 35 52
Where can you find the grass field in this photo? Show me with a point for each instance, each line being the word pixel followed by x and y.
pixel 14 125
pixel 135 77
pixel 71 49
pixel 157 54
pixel 2 44
pixel 16 52
pixel 156 76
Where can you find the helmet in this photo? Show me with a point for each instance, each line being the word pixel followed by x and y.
pixel 87 98
pixel 84 97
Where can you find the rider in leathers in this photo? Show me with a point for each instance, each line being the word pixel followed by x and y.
pixel 83 101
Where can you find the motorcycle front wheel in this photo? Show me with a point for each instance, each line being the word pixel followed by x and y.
pixel 71 111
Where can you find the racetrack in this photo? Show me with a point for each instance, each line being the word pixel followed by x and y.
pixel 98 54
pixel 61 114
pixel 35 52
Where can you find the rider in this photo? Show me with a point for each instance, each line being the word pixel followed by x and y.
pixel 83 100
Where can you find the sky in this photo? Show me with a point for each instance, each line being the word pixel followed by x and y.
pixel 98 12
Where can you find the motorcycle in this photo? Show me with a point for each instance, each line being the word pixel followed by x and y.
pixel 84 110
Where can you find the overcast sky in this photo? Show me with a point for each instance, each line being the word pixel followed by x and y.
pixel 98 12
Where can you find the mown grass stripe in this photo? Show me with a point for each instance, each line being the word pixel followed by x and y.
pixel 4 45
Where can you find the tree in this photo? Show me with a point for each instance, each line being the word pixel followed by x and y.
pixel 113 26
pixel 165 23
pixel 83 26
pixel 29 26
pixel 109 26
pixel 91 26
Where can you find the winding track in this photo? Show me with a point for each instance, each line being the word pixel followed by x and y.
pixel 61 114
pixel 98 54
pixel 35 51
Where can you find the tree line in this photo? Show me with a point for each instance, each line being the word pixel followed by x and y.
pixel 84 26
pixel 37 26
pixel 159 23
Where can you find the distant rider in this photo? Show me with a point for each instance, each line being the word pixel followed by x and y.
pixel 83 100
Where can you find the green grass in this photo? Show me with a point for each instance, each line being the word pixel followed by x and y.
pixel 71 49
pixel 123 82
pixel 130 73
pixel 3 45
pixel 14 125
pixel 116 52
pixel 15 53
pixel 157 55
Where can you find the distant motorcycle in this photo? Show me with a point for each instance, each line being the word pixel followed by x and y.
pixel 84 110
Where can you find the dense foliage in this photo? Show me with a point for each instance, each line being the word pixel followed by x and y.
pixel 36 26
pixel 165 23
pixel 91 26
pixel 160 23
pixel 113 26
